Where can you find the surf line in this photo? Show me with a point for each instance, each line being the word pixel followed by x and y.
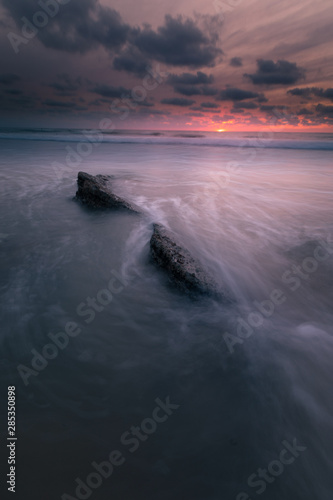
pixel 293 278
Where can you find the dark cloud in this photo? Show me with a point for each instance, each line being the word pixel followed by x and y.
pixel 271 73
pixel 209 91
pixel 271 108
pixel 196 115
pixel 131 65
pixel 109 91
pixel 146 104
pixel 235 94
pixel 59 104
pixel 304 111
pixel 205 110
pixel 131 61
pixel 79 26
pixel 99 102
pixel 152 112
pixel 66 84
pixel 199 78
pixel 210 105
pixel 178 101
pixel 262 98
pixel 9 79
pixel 17 103
pixel 224 118
pixel 312 91
pixel 83 25
pixel 188 90
pixel 327 94
pixel 245 105
pixel 325 111
pixel 179 42
pixel 236 62
pixel 300 92
pixel 55 106
pixel 13 92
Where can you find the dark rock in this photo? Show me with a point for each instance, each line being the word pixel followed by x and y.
pixel 302 250
pixel 95 191
pixel 186 273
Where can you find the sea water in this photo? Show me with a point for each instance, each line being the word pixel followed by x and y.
pixel 249 377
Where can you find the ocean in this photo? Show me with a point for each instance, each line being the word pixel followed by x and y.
pixel 249 382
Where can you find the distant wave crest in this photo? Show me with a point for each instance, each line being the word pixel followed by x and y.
pixel 299 141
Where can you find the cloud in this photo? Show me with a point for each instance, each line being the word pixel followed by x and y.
pixel 66 84
pixel 224 118
pixel 84 25
pixel 131 61
pixel 304 111
pixel 179 42
pixel 236 62
pixel 188 84
pixel 99 102
pixel 300 92
pixel 209 91
pixel 146 104
pixel 327 94
pixel 199 78
pixel 59 104
pixel 109 91
pixel 178 101
pixel 9 79
pixel 205 110
pixel 262 98
pixel 79 26
pixel 325 111
pixel 312 91
pixel 245 105
pixel 151 112
pixel 271 73
pixel 17 103
pixel 272 108
pixel 210 105
pixel 196 115
pixel 13 92
pixel 235 94
pixel 253 120
pixel 188 90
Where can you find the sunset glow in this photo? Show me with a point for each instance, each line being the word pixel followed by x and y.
pixel 222 67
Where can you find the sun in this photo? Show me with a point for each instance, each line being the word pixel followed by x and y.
pixel 221 130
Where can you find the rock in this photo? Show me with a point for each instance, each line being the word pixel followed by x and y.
pixel 302 250
pixel 186 273
pixel 95 191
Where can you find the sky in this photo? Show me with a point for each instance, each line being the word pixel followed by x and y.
pixel 214 65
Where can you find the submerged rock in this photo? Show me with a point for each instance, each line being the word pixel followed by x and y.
pixel 183 270
pixel 309 248
pixel 95 191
